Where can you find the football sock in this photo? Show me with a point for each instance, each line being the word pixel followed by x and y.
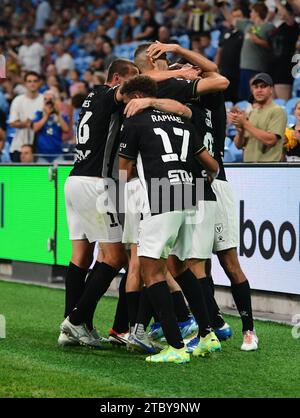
pixel 193 292
pixel 121 321
pixel 160 297
pixel 211 284
pixel 75 283
pixel 242 297
pixel 99 281
pixel 214 311
pixel 181 310
pixel 133 300
pixel 145 311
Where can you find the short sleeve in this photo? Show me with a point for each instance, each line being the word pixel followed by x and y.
pixel 178 89
pixel 111 101
pixel 128 141
pixel 277 122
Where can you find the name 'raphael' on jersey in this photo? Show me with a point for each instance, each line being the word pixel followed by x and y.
pixel 97 134
pixel 164 147
pixel 209 114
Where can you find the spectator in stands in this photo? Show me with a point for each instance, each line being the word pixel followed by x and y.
pixel 109 55
pixel 228 53
pixel 149 27
pixel 256 51
pixel 43 13
pixel 27 154
pixel 2 131
pixel 22 111
pixel 49 125
pixel 64 61
pixel 292 138
pixel 31 54
pixel 200 17
pixel 261 134
pixel 284 39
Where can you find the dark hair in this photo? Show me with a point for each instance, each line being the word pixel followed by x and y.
pixel 261 9
pixel 119 66
pixel 141 49
pixel 77 100
pixel 30 146
pixel 33 73
pixel 141 84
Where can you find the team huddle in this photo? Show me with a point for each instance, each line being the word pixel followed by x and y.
pixel 149 187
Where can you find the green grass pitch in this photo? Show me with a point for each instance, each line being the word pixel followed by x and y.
pixel 32 365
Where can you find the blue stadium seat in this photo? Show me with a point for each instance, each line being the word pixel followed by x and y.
pixel 243 104
pixel 228 105
pixel 290 105
pixel 215 36
pixel 231 153
pixel 280 102
pixel 184 41
pixel 296 87
pixel 292 120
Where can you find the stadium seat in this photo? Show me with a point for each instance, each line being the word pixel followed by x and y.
pixel 228 105
pixel 280 102
pixel 292 120
pixel 184 41
pixel 231 153
pixel 290 105
pixel 243 104
pixel 215 36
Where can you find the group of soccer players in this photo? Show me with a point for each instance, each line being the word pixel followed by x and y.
pixel 150 144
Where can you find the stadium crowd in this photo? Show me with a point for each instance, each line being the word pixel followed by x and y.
pixel 70 44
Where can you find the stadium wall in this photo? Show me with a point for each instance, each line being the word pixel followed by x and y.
pixel 34 234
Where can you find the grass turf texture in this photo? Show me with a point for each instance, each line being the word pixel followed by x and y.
pixel 32 365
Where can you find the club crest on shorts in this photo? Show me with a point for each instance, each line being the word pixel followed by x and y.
pixel 219 228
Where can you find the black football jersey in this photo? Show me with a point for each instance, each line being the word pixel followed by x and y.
pixel 209 117
pixel 97 134
pixel 184 91
pixel 164 148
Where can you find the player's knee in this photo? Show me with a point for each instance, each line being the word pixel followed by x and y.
pixel 82 261
pixel 117 261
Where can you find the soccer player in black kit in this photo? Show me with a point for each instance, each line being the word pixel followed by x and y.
pixel 226 224
pixel 164 147
pixel 89 220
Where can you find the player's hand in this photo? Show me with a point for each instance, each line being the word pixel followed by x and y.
pixel 157 49
pixel 189 73
pixel 136 106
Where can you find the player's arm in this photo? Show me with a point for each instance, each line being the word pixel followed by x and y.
pixel 126 169
pixel 208 162
pixel 211 83
pixel 188 73
pixel 128 151
pixel 165 105
pixel 158 48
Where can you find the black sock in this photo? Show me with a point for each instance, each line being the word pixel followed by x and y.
pixel 214 311
pixel 99 281
pixel 160 297
pixel 211 284
pixel 195 298
pixel 242 297
pixel 181 310
pixel 133 300
pixel 75 282
pixel 145 311
pixel 121 321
